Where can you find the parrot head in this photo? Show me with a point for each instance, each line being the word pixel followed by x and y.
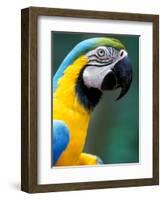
pixel 108 67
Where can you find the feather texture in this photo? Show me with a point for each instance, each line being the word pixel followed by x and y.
pixel 60 139
pixel 66 107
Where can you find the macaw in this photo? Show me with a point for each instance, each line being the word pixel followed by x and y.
pixel 92 66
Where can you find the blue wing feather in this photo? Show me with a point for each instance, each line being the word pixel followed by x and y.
pixel 60 139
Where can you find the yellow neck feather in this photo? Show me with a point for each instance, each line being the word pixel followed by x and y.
pixel 65 91
pixel 66 107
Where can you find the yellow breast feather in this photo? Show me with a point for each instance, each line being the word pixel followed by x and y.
pixel 66 107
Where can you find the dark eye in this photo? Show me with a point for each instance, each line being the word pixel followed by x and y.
pixel 101 52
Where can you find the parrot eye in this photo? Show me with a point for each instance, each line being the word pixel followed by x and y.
pixel 101 52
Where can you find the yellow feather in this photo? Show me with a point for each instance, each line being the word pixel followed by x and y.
pixel 66 107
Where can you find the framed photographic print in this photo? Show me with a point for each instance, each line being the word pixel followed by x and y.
pixel 90 99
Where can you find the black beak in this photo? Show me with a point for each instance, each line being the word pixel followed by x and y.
pixel 119 76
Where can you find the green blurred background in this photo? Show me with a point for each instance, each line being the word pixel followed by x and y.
pixel 113 132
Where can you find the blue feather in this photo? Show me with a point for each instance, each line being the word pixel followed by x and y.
pixel 60 139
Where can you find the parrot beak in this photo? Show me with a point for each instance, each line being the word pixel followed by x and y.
pixel 119 76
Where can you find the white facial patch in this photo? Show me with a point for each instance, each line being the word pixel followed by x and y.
pixel 93 76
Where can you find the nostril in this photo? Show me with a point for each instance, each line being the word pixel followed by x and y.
pixel 121 53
